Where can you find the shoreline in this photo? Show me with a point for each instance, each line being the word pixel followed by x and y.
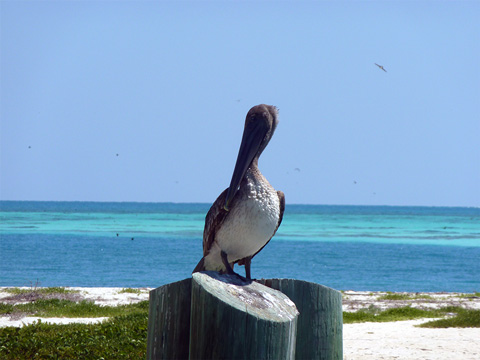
pixel 351 300
pixel 361 341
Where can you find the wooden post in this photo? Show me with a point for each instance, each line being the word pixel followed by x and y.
pixel 320 322
pixel 169 321
pixel 231 319
pixel 220 317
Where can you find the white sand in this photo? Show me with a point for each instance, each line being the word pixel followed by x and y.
pixel 377 341
pixel 5 321
pixel 402 340
pixel 101 295
pixel 112 296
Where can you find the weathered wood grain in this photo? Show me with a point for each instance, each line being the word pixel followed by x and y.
pixel 221 317
pixel 169 321
pixel 231 319
pixel 320 322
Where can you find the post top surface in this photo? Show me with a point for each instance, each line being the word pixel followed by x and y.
pixel 252 297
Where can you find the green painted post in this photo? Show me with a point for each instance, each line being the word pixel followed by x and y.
pixel 320 322
pixel 231 319
pixel 169 321
pixel 219 317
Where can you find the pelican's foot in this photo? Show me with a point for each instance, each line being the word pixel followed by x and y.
pixel 243 278
pixel 238 279
pixel 229 269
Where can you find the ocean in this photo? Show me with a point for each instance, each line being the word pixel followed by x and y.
pixel 363 248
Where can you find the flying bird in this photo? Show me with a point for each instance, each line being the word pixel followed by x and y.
pixel 381 67
pixel 248 213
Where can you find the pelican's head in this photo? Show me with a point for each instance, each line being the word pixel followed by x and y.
pixel 260 124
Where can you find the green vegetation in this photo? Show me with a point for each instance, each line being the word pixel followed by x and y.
pixel 463 318
pixel 130 291
pixel 373 314
pixel 397 296
pixel 122 337
pixel 43 291
pixel 470 296
pixel 67 308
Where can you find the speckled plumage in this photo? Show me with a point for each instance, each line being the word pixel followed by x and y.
pixel 248 226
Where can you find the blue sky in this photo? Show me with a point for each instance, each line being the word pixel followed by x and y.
pixel 167 85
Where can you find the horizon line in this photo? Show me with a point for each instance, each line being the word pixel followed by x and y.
pixel 209 203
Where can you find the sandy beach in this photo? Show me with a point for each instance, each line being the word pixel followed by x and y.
pixel 390 340
pixel 100 296
pixel 402 339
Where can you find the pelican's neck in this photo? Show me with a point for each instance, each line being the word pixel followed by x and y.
pixel 253 172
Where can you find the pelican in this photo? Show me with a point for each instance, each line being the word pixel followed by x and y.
pixel 381 67
pixel 248 213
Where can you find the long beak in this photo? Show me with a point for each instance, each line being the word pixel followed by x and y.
pixel 253 136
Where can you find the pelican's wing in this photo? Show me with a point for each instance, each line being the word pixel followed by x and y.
pixel 214 219
pixel 281 196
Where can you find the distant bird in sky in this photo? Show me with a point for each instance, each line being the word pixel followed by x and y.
pixel 117 154
pixel 381 67
pixel 248 213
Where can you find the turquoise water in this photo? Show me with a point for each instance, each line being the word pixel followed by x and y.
pixel 150 244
